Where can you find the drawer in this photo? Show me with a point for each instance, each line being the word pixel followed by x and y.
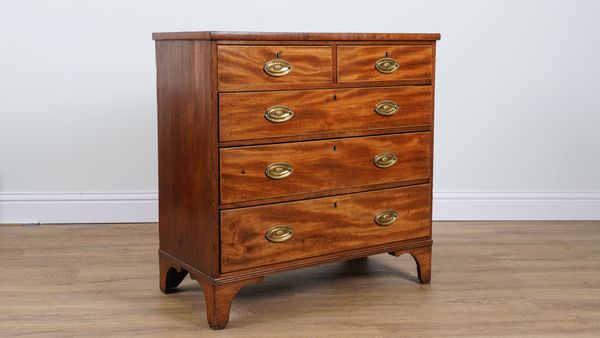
pixel 270 114
pixel 322 226
pixel 242 67
pixel 304 167
pixel 359 63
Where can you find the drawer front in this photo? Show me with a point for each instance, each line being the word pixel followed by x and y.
pixel 359 63
pixel 248 66
pixel 271 114
pixel 322 226
pixel 321 165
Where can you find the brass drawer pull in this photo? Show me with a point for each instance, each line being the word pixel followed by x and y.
pixel 279 170
pixel 278 114
pixel 386 108
pixel 277 67
pixel 387 65
pixel 386 217
pixel 280 233
pixel 385 160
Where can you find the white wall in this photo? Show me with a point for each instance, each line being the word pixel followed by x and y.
pixel 516 103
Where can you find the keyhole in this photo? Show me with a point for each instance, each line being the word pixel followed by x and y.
pixel 277 55
pixel 335 204
pixel 386 54
pixel 334 97
pixel 243 170
pixel 333 148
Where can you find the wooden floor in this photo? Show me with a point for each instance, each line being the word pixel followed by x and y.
pixel 503 279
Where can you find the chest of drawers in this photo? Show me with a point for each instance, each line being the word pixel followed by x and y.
pixel 279 151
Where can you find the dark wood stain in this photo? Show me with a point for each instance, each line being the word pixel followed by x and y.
pixel 187 154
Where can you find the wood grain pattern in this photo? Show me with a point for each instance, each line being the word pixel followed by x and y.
pixel 325 136
pixel 323 193
pixel 243 65
pixel 187 153
pixel 218 299
pixel 230 277
pixel 422 257
pixel 357 63
pixel 433 49
pixel 293 36
pixel 241 115
pixel 324 42
pixel 321 165
pixel 322 226
pixel 336 85
pixel 402 246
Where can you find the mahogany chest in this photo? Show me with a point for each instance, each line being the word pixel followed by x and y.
pixel 279 151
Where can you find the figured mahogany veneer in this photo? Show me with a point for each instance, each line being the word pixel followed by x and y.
pixel 355 63
pixel 242 115
pixel 322 226
pixel 295 37
pixel 316 123
pixel 322 165
pixel 243 65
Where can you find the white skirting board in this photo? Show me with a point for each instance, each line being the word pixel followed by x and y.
pixel 87 207
pixel 124 207
pixel 526 206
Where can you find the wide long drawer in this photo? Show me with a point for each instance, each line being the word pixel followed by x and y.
pixel 286 113
pixel 259 172
pixel 257 236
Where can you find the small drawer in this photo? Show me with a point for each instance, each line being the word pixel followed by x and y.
pixel 246 67
pixel 257 115
pixel 384 63
pixel 292 169
pixel 263 235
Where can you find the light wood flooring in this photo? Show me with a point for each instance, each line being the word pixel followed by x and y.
pixel 489 279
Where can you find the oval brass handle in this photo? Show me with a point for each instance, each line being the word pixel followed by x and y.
pixel 385 160
pixel 278 114
pixel 386 108
pixel 387 65
pixel 386 217
pixel 277 67
pixel 279 233
pixel 279 170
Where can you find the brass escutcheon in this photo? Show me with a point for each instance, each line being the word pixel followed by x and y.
pixel 279 233
pixel 387 65
pixel 278 114
pixel 386 217
pixel 386 108
pixel 277 67
pixel 385 160
pixel 279 170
